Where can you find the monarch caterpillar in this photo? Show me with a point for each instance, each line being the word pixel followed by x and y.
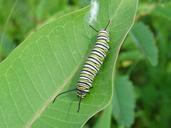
pixel 92 65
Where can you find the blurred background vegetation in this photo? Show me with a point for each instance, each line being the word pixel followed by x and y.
pixel 151 82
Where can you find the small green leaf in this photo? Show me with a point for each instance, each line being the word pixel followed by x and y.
pixel 123 101
pixel 130 55
pixel 6 46
pixel 144 39
pixel 146 8
pixel 104 120
pixel 163 10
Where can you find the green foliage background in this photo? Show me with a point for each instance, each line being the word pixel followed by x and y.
pixel 142 90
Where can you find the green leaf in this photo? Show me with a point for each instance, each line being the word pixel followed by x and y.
pixel 123 101
pixel 49 61
pixel 46 8
pixel 163 10
pixel 6 46
pixel 130 55
pixel 144 39
pixel 104 120
pixel 146 8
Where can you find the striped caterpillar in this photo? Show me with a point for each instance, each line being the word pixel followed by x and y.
pixel 92 65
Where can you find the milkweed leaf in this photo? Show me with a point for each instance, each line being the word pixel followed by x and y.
pixel 48 62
